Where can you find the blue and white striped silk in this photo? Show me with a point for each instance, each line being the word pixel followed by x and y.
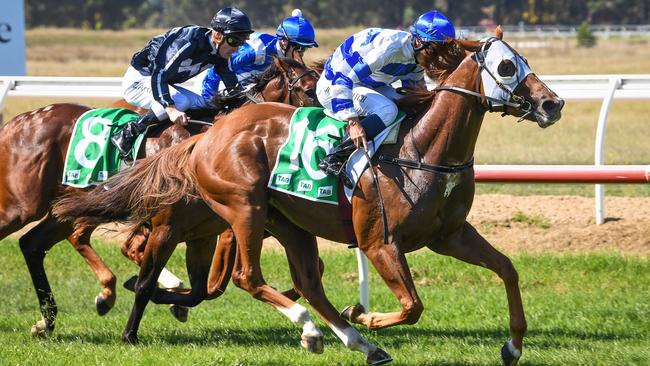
pixel 250 60
pixel 372 58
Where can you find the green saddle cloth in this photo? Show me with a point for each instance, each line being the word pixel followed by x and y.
pixel 312 134
pixel 91 157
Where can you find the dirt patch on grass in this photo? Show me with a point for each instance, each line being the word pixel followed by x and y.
pixel 560 224
pixel 535 224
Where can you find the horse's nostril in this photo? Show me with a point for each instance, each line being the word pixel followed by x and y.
pixel 552 106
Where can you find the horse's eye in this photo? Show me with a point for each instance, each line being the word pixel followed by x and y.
pixel 507 69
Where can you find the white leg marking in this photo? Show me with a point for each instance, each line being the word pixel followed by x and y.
pixel 169 280
pixel 353 340
pixel 513 350
pixel 299 316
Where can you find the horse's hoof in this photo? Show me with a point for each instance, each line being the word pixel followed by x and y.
pixel 378 357
pixel 130 283
pixel 130 338
pixel 509 354
pixel 350 313
pixel 179 312
pixel 101 305
pixel 41 329
pixel 313 344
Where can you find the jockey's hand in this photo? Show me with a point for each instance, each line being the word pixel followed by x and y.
pixel 357 134
pixel 177 116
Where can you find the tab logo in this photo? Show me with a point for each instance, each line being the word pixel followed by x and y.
pixel 74 175
pixel 305 186
pixel 325 191
pixel 282 179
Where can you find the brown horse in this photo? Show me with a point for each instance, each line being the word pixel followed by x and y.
pixel 33 148
pixel 426 179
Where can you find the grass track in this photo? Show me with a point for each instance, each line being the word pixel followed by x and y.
pixel 582 310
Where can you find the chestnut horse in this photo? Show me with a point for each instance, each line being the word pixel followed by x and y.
pixel 33 147
pixel 426 179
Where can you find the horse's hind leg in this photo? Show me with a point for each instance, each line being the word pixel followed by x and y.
pixel 34 245
pixel 80 240
pixel 472 248
pixel 302 252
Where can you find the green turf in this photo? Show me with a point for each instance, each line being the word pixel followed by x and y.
pixel 582 310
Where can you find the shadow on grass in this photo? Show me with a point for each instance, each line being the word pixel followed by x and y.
pixel 392 338
pixel 541 338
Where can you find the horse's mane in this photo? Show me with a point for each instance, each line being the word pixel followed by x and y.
pixel 272 72
pixel 319 65
pixel 441 60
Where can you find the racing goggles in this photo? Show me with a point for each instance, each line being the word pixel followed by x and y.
pixel 298 47
pixel 234 41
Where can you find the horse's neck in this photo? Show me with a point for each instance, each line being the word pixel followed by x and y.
pixel 447 133
pixel 271 94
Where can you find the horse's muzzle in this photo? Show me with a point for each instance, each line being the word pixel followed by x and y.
pixel 549 112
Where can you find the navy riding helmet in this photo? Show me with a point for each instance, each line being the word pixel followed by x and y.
pixel 231 21
pixel 433 26
pixel 298 30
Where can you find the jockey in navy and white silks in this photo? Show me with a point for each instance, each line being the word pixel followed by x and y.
pixel 254 57
pixel 358 78
pixel 151 82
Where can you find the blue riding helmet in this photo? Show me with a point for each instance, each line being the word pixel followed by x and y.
pixel 433 26
pixel 297 29
pixel 231 21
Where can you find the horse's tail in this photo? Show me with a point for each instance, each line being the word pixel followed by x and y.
pixel 135 195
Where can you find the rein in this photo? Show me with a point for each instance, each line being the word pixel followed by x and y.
pixel 447 169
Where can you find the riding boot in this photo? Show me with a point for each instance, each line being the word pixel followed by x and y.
pixel 125 139
pixel 334 162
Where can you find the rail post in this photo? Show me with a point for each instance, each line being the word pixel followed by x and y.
pixel 364 290
pixel 7 84
pixel 599 159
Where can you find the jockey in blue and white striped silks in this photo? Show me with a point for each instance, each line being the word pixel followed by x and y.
pixel 358 78
pixel 255 56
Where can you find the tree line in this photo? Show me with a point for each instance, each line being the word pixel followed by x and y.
pixel 124 14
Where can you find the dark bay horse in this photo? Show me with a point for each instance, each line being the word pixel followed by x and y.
pixel 33 148
pixel 426 179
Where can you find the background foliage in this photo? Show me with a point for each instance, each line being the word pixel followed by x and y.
pixel 120 14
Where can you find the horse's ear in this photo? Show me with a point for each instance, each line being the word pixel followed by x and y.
pixel 498 32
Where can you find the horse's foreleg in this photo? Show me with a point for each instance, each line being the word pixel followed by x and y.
pixel 34 245
pixel 469 246
pixel 391 265
pixel 160 246
pixel 80 240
